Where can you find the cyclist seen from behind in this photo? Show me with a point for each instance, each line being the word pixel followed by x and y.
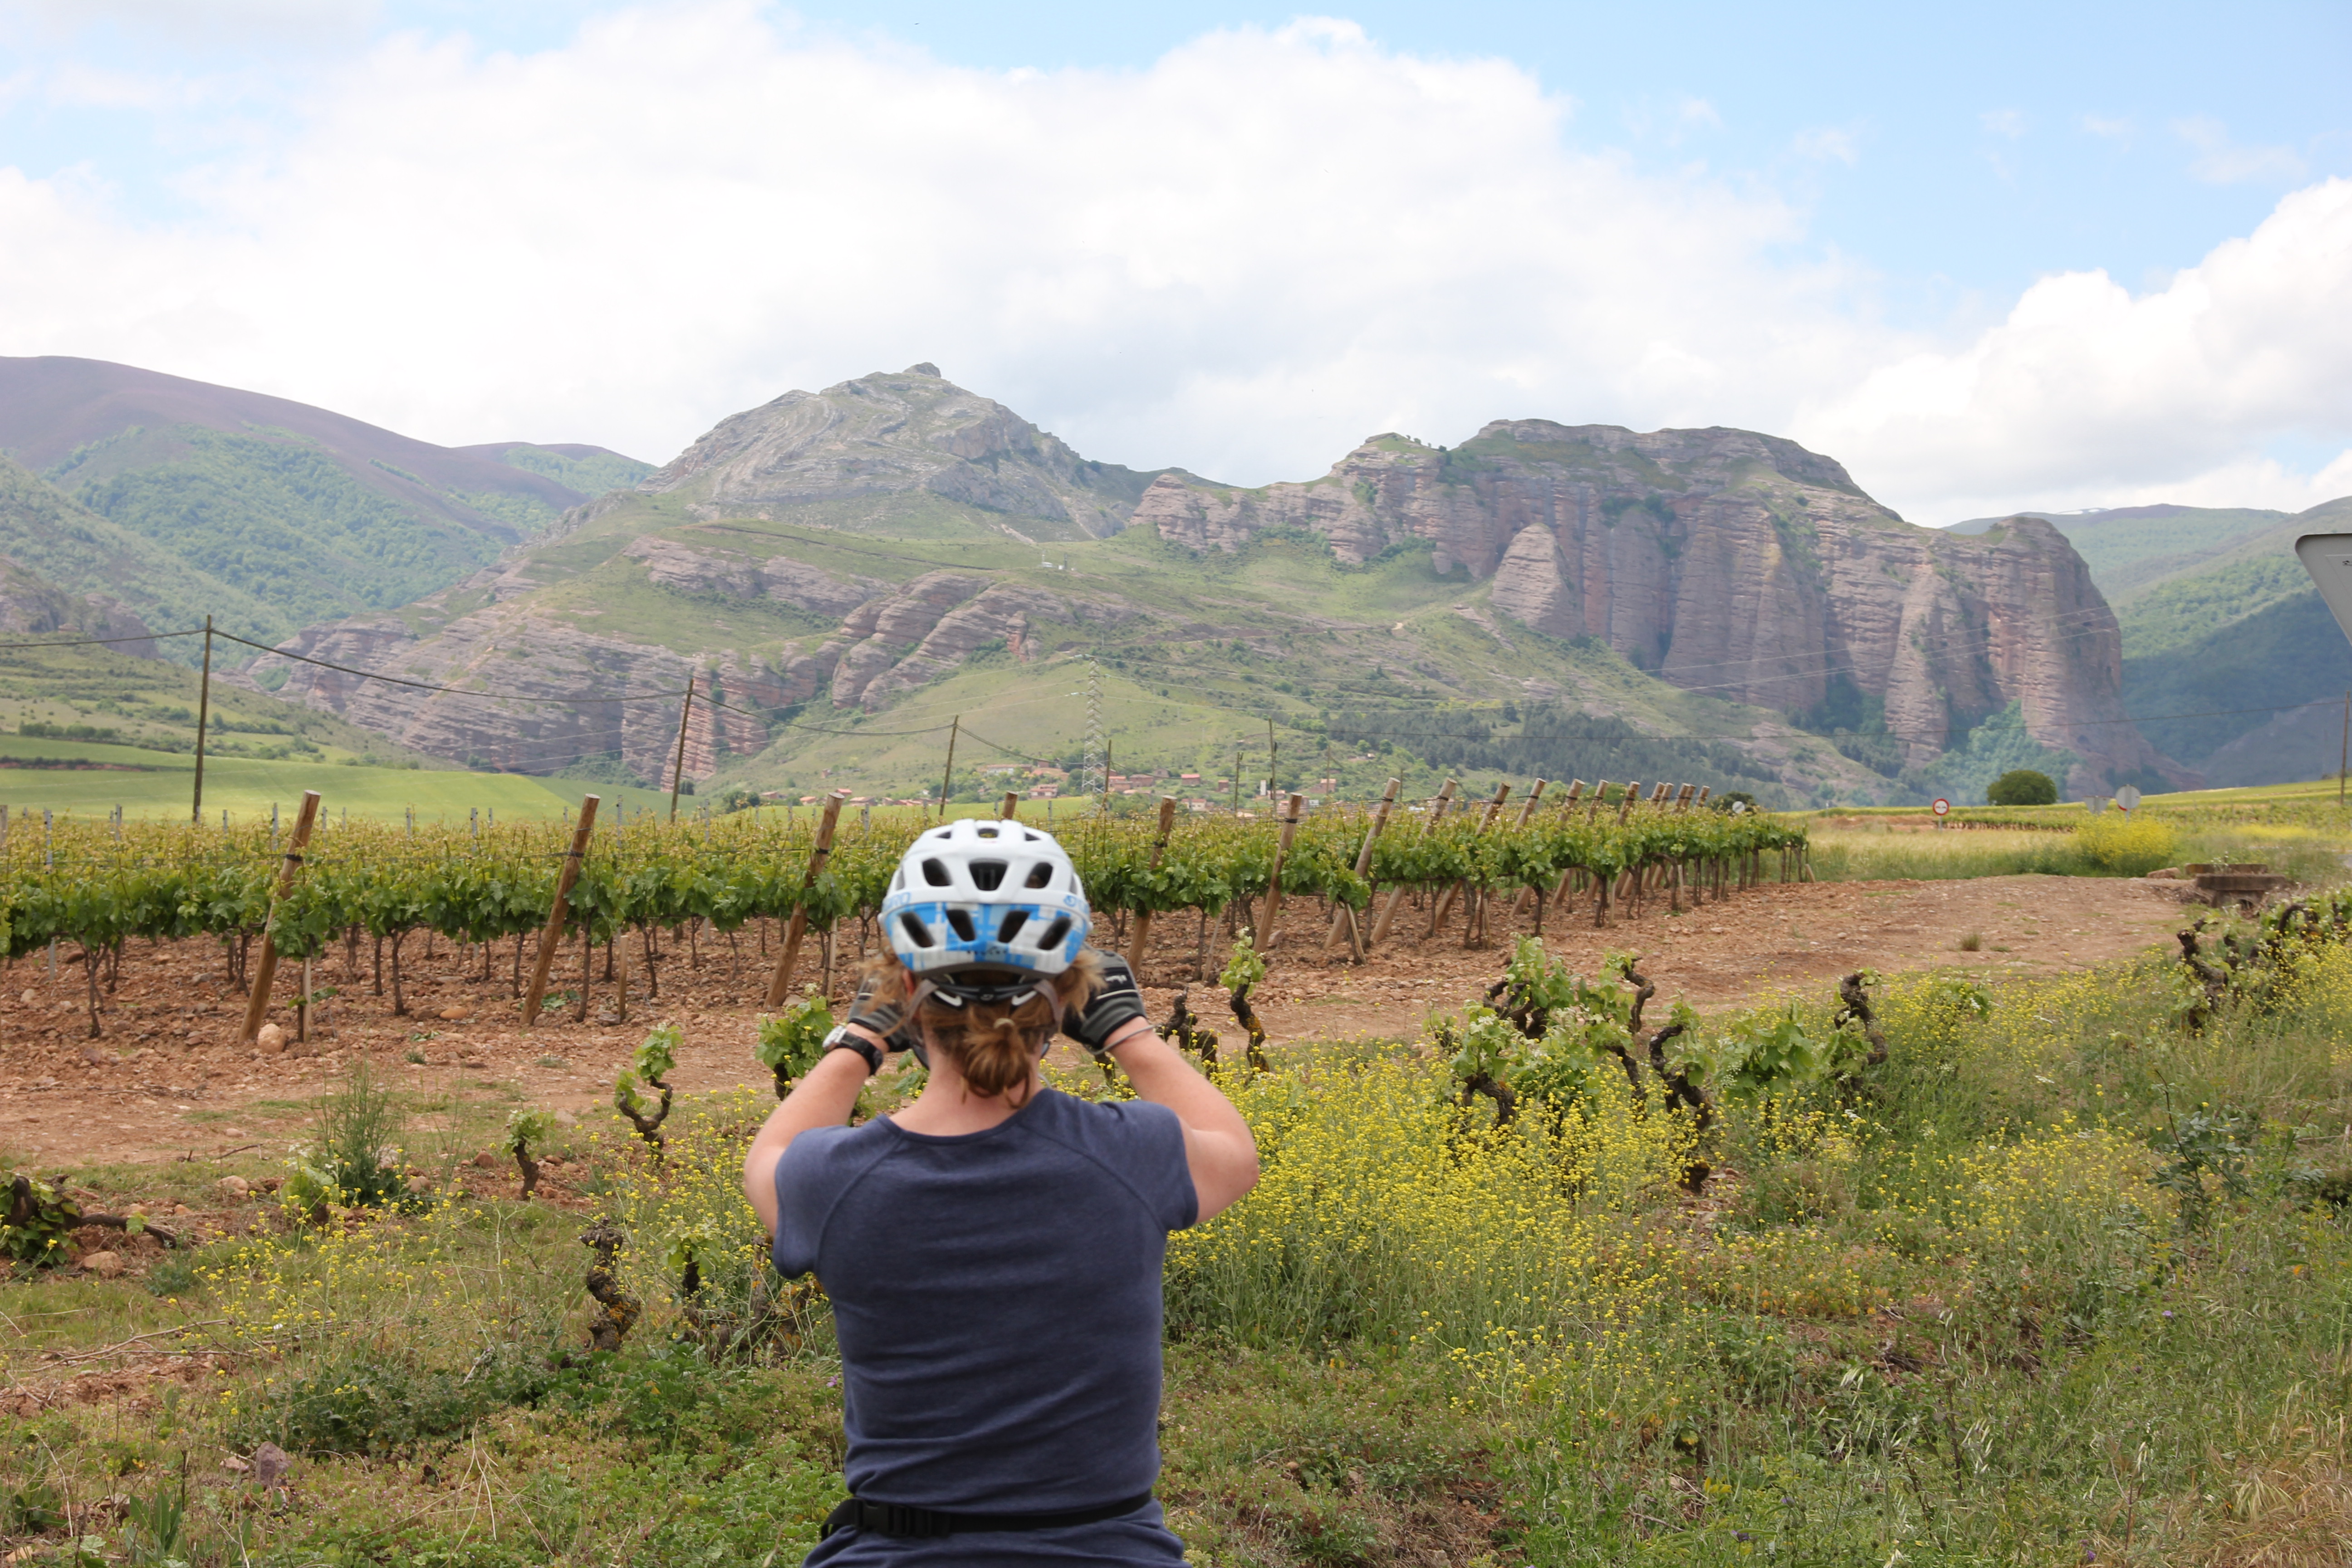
pixel 992 1251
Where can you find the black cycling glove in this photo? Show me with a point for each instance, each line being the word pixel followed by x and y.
pixel 885 1021
pixel 1116 1002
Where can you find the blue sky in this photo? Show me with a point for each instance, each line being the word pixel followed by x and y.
pixel 1854 225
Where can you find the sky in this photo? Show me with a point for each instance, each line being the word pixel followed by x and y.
pixel 2011 256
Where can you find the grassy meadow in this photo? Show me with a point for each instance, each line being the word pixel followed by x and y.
pixel 2296 830
pixel 2067 1278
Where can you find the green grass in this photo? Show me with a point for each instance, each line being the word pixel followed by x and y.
pixel 1962 1314
pixel 162 786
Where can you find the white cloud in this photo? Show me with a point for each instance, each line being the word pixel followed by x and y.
pixel 2221 161
pixel 1828 143
pixel 2086 390
pixel 202 21
pixel 2118 129
pixel 1242 259
pixel 2009 123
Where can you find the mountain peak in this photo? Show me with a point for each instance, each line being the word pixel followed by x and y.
pixel 911 437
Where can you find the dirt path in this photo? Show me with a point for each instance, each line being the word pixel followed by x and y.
pixel 165 1081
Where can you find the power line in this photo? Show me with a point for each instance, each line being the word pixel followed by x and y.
pixel 92 642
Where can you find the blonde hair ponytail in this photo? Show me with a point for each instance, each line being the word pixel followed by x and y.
pixel 994 1046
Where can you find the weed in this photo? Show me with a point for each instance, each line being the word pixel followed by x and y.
pixel 1972 942
pixel 2205 1142
pixel 354 1159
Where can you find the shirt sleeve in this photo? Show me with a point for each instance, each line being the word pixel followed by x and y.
pixel 808 1184
pixel 1149 1144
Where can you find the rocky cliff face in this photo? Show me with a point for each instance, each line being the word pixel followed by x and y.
pixel 1729 562
pixel 31 605
pixel 900 439
pixel 521 665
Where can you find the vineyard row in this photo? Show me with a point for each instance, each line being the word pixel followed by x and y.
pixel 102 885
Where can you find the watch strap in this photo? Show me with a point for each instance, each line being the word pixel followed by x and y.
pixel 841 1040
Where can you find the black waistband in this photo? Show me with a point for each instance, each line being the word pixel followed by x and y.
pixel 896 1519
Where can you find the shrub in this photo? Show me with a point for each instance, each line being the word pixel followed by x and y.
pixel 2022 786
pixel 2124 844
pixel 364 1401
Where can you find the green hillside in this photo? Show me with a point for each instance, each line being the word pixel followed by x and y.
pixel 268 513
pixel 2128 555
pixel 590 470
pixel 2130 550
pixel 277 520
pixel 2290 652
pixel 77 550
pixel 2188 609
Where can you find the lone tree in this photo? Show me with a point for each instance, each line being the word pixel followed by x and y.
pixel 2022 786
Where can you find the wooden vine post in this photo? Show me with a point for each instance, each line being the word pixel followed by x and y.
pixel 1344 915
pixel 819 854
pixel 1139 941
pixel 1008 810
pixel 256 1005
pixel 1396 895
pixel 559 910
pixel 1291 809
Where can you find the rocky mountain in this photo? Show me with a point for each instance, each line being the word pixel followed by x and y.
pixel 305 514
pixel 1738 565
pixel 902 454
pixel 871 549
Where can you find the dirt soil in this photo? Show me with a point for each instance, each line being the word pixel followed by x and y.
pixel 166 1079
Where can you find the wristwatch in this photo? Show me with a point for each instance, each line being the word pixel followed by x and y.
pixel 841 1040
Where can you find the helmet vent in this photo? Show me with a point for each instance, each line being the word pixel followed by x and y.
pixel 1039 875
pixel 917 932
pixel 988 833
pixel 936 874
pixel 1055 933
pixel 961 921
pixel 1012 926
pixel 988 875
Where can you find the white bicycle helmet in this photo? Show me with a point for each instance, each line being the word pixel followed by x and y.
pixel 976 894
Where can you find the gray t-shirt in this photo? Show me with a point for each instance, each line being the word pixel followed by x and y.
pixel 997 1298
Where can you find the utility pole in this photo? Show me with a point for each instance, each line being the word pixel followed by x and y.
pixel 1272 761
pixel 204 721
pixel 947 778
pixel 2345 766
pixel 678 769
pixel 1237 778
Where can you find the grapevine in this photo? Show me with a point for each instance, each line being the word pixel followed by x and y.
pixel 380 885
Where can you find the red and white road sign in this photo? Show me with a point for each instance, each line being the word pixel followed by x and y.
pixel 1941 807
